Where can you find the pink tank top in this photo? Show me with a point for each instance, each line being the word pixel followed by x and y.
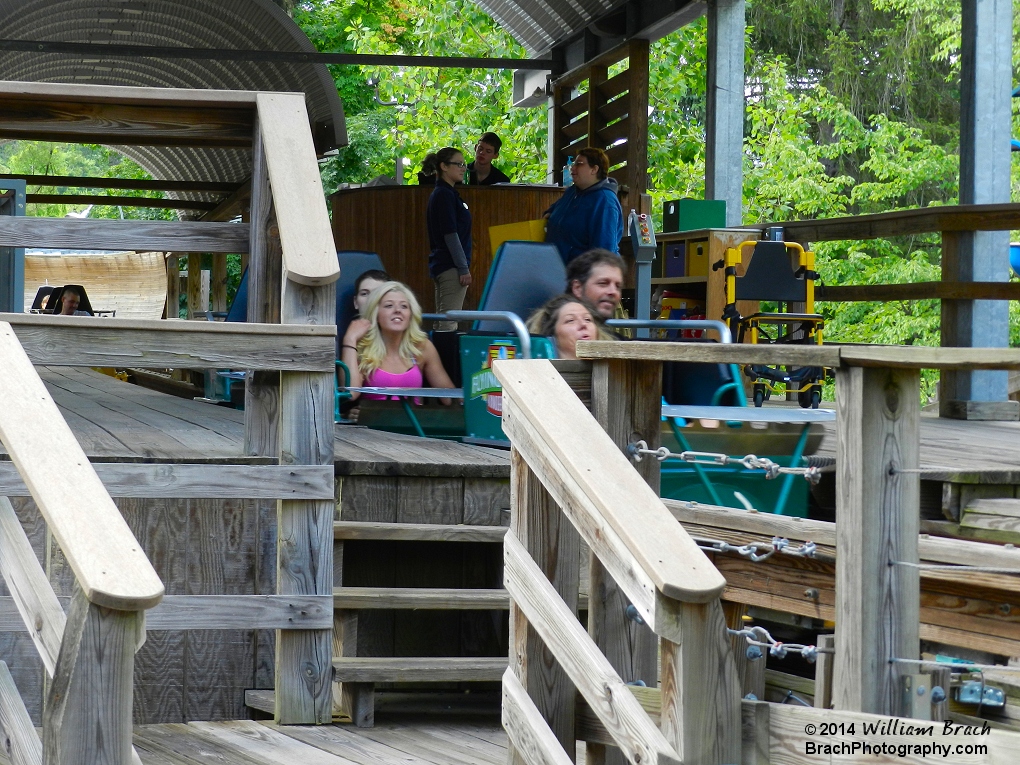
pixel 380 378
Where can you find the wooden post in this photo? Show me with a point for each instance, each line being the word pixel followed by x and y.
pixel 626 401
pixel 262 389
pixel 701 688
pixel 823 672
pixel 751 673
pixel 218 282
pixel 87 717
pixel 554 544
pixel 304 658
pixel 637 134
pixel 877 511
pixel 173 286
pixel 194 284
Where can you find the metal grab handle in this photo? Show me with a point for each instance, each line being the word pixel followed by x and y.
pixel 725 335
pixel 508 316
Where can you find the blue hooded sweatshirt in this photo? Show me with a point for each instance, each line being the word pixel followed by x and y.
pixel 583 220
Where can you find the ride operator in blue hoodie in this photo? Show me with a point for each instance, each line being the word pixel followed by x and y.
pixel 588 215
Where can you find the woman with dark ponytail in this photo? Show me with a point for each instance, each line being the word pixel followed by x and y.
pixel 449 225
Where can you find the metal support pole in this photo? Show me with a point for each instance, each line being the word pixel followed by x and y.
pixel 985 109
pixel 724 129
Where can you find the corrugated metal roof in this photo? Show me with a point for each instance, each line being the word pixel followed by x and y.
pixel 239 24
pixel 539 24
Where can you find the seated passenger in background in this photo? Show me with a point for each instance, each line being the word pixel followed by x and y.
pixel 482 172
pixel 567 319
pixel 363 287
pixel 389 349
pixel 597 276
pixel 69 302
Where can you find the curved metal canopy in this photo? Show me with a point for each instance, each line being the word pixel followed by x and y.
pixel 240 24
pixel 538 25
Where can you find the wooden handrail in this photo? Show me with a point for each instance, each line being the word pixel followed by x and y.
pixel 109 564
pixel 847 293
pixel 1001 217
pixel 893 356
pixel 158 344
pixel 590 671
pixel 309 254
pixel 592 480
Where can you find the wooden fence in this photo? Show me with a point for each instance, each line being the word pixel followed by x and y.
pixel 566 466
pixel 88 654
pixel 288 417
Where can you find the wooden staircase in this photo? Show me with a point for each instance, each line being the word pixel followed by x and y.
pixel 425 554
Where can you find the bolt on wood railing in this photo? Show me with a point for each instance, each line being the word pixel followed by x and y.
pixel 562 460
pixel 89 654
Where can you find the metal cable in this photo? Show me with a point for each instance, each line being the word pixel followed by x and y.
pixel 749 461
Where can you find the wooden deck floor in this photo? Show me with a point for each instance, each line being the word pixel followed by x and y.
pixel 398 741
pixel 115 421
pixel 950 448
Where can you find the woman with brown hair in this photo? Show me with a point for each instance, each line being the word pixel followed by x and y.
pixel 588 215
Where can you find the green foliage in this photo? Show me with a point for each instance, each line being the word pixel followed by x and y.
pixel 439 107
pixel 45 158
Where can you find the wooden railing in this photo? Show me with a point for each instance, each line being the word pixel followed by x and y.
pixel 949 221
pixel 567 466
pixel 89 654
pixel 564 465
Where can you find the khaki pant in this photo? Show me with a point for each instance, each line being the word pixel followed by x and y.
pixel 449 297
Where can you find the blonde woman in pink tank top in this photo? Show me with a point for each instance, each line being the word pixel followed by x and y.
pixel 389 349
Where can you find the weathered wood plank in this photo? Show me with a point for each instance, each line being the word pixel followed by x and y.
pixel 22 743
pixel 580 658
pixel 262 390
pixel 918 291
pixel 420 598
pixel 799 355
pixel 163 124
pixel 438 669
pixel 106 558
pixel 143 235
pixel 88 712
pixel 30 589
pixel 86 341
pixel 960 552
pixel 530 735
pixel 877 607
pixel 59 92
pixel 552 545
pixel 700 688
pixel 418 532
pixel 231 612
pixel 305 527
pixel 546 422
pixel 917 357
pixel 626 403
pixel 1000 217
pixel 895 356
pixel 309 254
pixel 176 481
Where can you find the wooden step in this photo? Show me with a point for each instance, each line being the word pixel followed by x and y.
pixel 432 599
pixel 261 700
pixel 417 532
pixel 432 669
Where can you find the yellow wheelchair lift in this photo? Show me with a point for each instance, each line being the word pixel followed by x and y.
pixel 772 276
